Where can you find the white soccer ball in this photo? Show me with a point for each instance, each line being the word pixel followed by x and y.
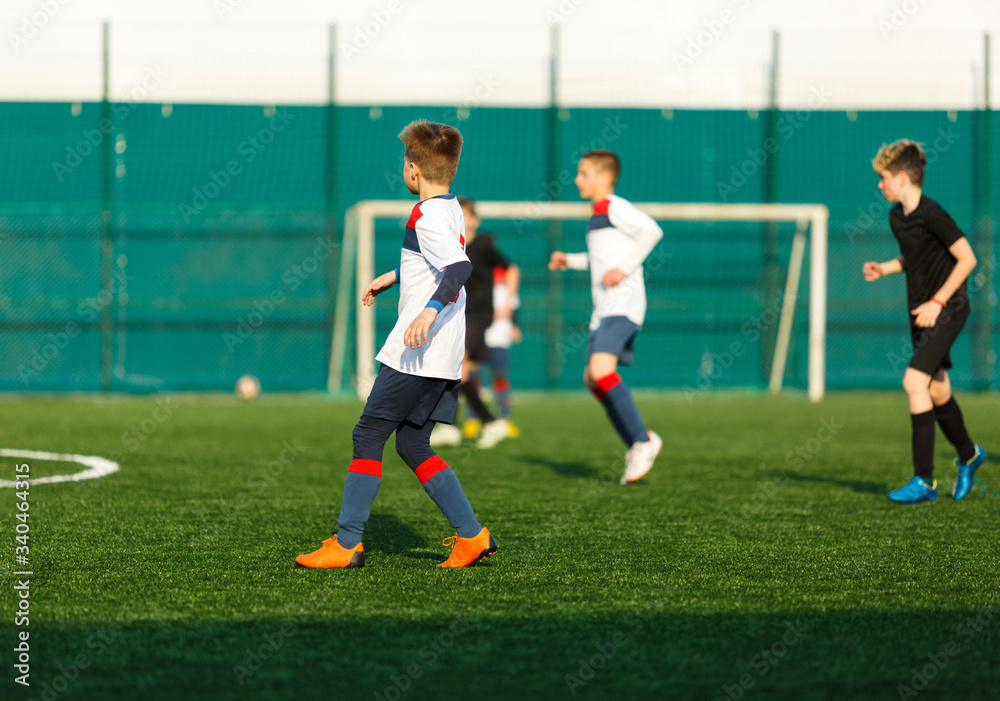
pixel 248 388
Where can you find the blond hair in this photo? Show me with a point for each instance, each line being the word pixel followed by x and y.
pixel 903 155
pixel 434 147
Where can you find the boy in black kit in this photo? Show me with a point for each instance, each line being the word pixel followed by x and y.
pixel 937 260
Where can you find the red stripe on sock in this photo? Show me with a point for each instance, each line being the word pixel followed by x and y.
pixel 430 467
pixel 366 467
pixel 609 382
pixel 501 384
pixel 596 391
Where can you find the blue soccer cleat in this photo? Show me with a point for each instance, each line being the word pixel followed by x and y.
pixel 914 491
pixel 966 473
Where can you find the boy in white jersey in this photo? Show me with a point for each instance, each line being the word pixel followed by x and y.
pixel 417 384
pixel 619 237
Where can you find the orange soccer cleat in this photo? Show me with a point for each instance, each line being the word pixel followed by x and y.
pixel 466 551
pixel 333 554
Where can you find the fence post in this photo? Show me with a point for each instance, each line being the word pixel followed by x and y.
pixel 772 267
pixel 107 190
pixel 984 357
pixel 331 206
pixel 555 297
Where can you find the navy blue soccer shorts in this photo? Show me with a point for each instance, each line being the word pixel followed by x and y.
pixel 615 335
pixel 397 396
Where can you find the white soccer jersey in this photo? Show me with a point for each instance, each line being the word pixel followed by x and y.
pixel 618 236
pixel 434 239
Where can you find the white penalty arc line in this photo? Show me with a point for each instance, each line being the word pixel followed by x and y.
pixel 97 466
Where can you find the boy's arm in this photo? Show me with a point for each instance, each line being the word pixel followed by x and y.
pixel 638 225
pixel 873 271
pixel 965 261
pixel 379 285
pixel 573 261
pixel 947 232
pixel 451 283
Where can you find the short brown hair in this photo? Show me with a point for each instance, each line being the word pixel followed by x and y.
pixel 904 155
pixel 605 159
pixel 434 147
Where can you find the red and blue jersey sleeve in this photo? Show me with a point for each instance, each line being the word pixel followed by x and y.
pixel 432 235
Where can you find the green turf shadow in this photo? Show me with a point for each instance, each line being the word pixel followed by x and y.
pixel 326 652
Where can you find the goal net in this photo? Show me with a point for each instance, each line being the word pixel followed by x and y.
pixel 723 289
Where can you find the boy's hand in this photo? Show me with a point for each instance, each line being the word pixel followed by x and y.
pixel 872 271
pixel 927 314
pixel 613 277
pixel 557 261
pixel 416 333
pixel 377 286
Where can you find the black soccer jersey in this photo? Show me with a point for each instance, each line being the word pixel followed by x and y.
pixel 483 254
pixel 924 237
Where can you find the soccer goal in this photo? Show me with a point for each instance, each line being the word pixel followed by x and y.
pixel 357 269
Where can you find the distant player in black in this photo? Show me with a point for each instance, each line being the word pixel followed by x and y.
pixel 484 256
pixel 937 260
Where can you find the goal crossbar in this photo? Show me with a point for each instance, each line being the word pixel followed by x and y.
pixel 359 242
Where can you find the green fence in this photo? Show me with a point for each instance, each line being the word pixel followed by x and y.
pixel 151 247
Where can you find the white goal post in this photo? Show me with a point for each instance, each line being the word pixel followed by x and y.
pixel 359 241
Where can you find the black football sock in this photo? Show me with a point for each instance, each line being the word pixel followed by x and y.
pixel 476 380
pixel 923 445
pixel 471 394
pixel 949 418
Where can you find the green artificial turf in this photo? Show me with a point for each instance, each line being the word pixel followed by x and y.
pixel 739 569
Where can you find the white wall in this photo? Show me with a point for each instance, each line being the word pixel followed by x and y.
pixel 852 54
